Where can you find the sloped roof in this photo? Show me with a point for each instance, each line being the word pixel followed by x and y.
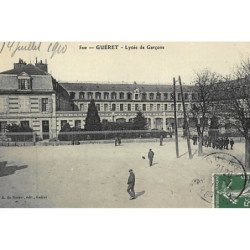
pixel 30 69
pixel 121 87
pixel 39 82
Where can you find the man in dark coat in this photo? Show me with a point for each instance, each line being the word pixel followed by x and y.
pixel 231 143
pixel 150 157
pixel 131 184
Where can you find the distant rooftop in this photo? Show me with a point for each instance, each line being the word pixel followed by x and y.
pixel 89 86
pixel 30 69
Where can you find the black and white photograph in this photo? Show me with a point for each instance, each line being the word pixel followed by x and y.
pixel 124 125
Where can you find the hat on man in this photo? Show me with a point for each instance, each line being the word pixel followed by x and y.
pixel 130 170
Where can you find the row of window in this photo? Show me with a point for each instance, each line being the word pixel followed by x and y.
pixel 129 96
pixel 136 107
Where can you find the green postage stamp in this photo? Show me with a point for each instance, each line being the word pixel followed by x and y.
pixel 232 191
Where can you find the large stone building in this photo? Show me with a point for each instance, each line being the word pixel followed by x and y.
pixel 120 102
pixel 32 97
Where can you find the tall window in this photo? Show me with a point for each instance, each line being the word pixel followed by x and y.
pixel 179 96
pixel 151 107
pixel 136 96
pixel 129 107
pixel 63 122
pixel 113 107
pixel 78 123
pixel 90 95
pixel 81 95
pixel 72 95
pixel 121 107
pixel 98 106
pixel 45 104
pixel 105 107
pixel 106 95
pixel 151 96
pixel 129 96
pixel 121 95
pixel 113 96
pixel 179 107
pixel 144 107
pixel 97 95
pixel 81 107
pixel 165 107
pixel 172 107
pixel 136 107
pixel 144 96
pixel 158 96
pixel 25 84
pixel 165 96
pixel 158 107
pixel 186 96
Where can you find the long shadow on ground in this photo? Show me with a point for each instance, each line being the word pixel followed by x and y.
pixel 5 171
pixel 137 194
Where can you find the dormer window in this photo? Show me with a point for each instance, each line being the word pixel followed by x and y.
pixel 24 82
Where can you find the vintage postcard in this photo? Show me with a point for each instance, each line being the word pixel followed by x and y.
pixel 124 124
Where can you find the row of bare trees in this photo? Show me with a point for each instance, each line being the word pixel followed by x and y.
pixel 226 97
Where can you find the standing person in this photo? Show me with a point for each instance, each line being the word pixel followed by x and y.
pixel 131 184
pixel 231 143
pixel 116 141
pixel 150 157
pixel 226 143
pixel 119 141
pixel 161 140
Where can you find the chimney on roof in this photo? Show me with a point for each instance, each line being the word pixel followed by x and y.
pixel 20 64
pixel 42 66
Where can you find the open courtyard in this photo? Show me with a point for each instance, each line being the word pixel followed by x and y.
pixel 95 175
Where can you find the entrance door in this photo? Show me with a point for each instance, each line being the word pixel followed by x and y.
pixel 45 129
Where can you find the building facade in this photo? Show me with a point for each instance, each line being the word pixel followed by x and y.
pixel 31 97
pixel 120 102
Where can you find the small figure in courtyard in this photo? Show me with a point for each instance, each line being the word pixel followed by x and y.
pixel 119 141
pixel 226 143
pixel 161 140
pixel 116 141
pixel 131 184
pixel 150 157
pixel 231 143
pixel 195 139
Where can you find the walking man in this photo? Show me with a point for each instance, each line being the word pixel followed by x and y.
pixel 131 184
pixel 150 157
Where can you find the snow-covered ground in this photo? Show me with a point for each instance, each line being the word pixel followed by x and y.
pixel 95 175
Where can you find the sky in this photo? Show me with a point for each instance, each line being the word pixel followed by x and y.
pixel 117 63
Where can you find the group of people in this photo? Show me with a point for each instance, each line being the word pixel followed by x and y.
pixel 222 143
pixel 215 142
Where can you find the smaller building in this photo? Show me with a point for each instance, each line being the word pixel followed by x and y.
pixel 30 96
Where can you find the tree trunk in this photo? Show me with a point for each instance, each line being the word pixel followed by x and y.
pixel 247 153
pixel 200 146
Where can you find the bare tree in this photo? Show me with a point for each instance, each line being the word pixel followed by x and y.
pixel 202 101
pixel 235 103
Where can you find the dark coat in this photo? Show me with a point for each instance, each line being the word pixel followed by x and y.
pixel 131 179
pixel 150 154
